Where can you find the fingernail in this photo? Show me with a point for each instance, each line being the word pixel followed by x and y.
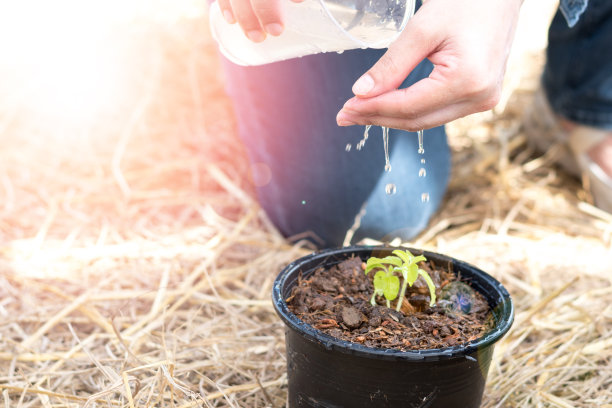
pixel 274 29
pixel 229 17
pixel 363 85
pixel 342 120
pixel 256 36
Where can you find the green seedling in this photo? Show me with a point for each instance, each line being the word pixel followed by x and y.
pixel 386 281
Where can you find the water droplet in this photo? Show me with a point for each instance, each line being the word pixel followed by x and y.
pixel 348 147
pixel 390 189
pixel 303 202
pixel 422 161
pixel 385 135
pixel 420 136
pixel 425 197
pixel 422 172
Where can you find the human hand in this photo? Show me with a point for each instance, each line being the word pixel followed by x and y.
pixel 468 43
pixel 256 17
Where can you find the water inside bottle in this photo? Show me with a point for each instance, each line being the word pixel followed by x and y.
pixel 359 17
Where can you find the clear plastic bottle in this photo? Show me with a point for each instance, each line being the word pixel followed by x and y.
pixel 315 26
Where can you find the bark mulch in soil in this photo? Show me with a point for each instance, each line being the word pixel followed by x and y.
pixel 336 301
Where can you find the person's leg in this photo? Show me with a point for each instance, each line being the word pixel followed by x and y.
pixel 578 73
pixel 577 81
pixel 308 181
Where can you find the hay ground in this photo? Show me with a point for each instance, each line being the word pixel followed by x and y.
pixel 136 269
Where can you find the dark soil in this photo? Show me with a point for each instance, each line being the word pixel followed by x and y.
pixel 336 301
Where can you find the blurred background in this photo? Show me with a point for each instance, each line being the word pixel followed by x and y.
pixel 109 113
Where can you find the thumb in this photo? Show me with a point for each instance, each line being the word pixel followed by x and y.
pixel 403 55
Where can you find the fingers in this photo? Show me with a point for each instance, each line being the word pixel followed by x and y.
pixel 247 19
pixel 468 52
pixel 426 104
pixel 269 15
pixel 226 10
pixel 428 121
pixel 393 67
pixel 420 98
pixel 256 17
pixel 445 95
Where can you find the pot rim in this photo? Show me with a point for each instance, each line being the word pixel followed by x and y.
pixel 504 309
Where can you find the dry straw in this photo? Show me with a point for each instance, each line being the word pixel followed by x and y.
pixel 136 269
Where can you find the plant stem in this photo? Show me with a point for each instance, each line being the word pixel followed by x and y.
pixel 373 300
pixel 402 294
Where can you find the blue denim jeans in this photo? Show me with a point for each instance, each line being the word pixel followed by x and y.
pixel 578 73
pixel 310 184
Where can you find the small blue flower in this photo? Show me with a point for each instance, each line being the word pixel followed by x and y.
pixel 457 297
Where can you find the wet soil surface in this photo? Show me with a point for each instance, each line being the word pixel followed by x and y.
pixel 336 301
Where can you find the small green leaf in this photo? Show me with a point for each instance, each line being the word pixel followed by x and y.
pixel 432 287
pixel 392 287
pixel 405 255
pixel 412 274
pixel 380 281
pixel 418 259
pixel 384 263
pixel 373 263
pixel 373 259
pixel 393 260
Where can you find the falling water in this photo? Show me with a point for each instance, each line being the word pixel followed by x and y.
pixel 422 171
pixel 389 188
pixel 385 135
pixel 420 136
pixel 366 133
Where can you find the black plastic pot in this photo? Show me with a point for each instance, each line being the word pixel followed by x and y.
pixel 325 372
